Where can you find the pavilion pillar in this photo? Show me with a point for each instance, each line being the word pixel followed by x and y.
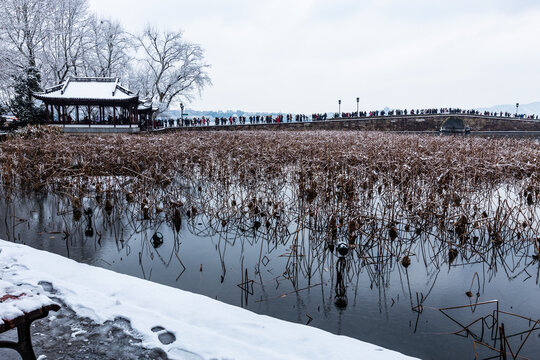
pixel 114 115
pixel 47 112
pixel 77 113
pixel 130 115
pixel 63 116
pixel 89 116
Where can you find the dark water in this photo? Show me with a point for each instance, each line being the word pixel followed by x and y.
pixel 295 279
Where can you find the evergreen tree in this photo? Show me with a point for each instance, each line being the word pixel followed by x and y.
pixel 22 104
pixel 2 120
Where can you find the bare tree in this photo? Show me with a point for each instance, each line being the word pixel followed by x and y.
pixel 24 27
pixel 8 70
pixel 67 40
pixel 109 51
pixel 46 35
pixel 170 69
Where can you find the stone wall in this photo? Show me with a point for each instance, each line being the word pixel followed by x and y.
pixel 428 123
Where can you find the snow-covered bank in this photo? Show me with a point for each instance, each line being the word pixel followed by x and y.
pixel 203 327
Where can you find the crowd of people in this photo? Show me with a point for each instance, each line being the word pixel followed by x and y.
pixel 231 120
pixel 441 111
pixel 269 119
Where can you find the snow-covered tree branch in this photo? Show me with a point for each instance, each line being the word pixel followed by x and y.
pixel 109 50
pixel 67 40
pixel 171 69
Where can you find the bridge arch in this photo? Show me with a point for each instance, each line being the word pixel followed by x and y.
pixel 454 124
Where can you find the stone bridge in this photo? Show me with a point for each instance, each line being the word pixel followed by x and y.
pixel 413 123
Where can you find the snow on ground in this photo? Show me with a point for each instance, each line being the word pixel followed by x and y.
pixel 183 324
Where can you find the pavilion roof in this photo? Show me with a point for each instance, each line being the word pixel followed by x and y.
pixel 145 105
pixel 88 90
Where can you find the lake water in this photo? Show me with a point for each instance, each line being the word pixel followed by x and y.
pixel 283 267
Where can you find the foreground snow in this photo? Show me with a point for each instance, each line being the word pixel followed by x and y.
pixel 15 303
pixel 204 328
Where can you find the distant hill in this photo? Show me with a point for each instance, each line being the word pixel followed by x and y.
pixel 527 109
pixel 212 114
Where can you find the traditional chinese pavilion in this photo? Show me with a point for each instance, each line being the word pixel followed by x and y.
pixel 92 100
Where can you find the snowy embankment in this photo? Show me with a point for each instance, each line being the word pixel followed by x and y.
pixel 203 327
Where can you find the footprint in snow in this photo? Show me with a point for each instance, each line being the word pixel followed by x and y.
pixel 47 286
pixel 164 336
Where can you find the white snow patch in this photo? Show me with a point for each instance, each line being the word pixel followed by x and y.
pixel 77 331
pixel 204 328
pixel 19 300
pixel 102 89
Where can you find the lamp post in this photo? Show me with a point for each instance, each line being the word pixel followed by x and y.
pixel 339 108
pixel 357 107
pixel 182 113
pixel 517 107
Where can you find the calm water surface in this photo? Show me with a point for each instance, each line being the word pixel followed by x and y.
pixel 291 278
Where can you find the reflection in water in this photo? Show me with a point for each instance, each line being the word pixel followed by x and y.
pixel 89 230
pixel 341 289
pixel 284 251
pixel 491 338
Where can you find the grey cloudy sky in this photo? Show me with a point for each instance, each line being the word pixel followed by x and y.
pixel 304 55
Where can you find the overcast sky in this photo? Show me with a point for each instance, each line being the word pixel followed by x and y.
pixel 304 55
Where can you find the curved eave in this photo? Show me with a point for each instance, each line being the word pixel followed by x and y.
pixel 147 109
pixel 86 101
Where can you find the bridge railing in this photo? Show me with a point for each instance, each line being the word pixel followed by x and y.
pixel 191 123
